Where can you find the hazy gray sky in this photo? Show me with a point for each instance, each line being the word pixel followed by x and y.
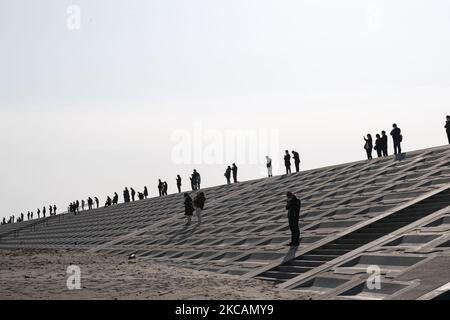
pixel 92 110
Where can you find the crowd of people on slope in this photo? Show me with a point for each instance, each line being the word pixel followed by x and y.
pixel 30 215
pixel 381 143
pixel 380 146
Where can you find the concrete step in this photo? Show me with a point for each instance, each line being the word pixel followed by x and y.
pixel 364 235
pixel 292 269
pixel 305 263
pixel 273 280
pixel 334 252
pixel 317 257
pixel 387 225
pixel 343 246
pixel 359 241
pixel 279 275
pixel 375 232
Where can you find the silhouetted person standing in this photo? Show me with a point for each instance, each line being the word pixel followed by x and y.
pixel 126 195
pixel 396 134
pixel 160 187
pixel 296 157
pixel 90 203
pixel 384 143
pixel 192 182
pixel 447 128
pixel 197 179
pixel 179 183
pixel 38 213
pixel 293 206
pixel 50 208
pixel 28 215
pixel 21 216
pixel 199 203
pixel 77 203
pixel 378 146
pixel 269 166
pixel 165 188
pixel 368 146
pixel 82 205
pixel 133 194
pixel 43 212
pixel 188 208
pixel 97 203
pixel 145 192
pixel 228 175
pixel 115 199
pixel 234 169
pixel 287 162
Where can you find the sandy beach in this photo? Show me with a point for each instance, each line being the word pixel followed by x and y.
pixel 42 274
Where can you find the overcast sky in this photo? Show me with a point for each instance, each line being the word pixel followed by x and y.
pixel 87 111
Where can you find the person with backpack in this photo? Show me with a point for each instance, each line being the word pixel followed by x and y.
pixel 378 146
pixel 397 138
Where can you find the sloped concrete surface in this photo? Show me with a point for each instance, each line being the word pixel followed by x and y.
pixel 245 230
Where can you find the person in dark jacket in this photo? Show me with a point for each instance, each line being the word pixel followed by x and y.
pixel 145 192
pixel 165 188
pixel 447 128
pixel 293 207
pixel 115 199
pixel 234 169
pixel 368 146
pixel 396 134
pixel 192 182
pixel 126 195
pixel 133 194
pixel 188 208
pixel 199 204
pixel 287 162
pixel 228 175
pixel 378 146
pixel 160 187
pixel 179 183
pixel 384 143
pixel 296 157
